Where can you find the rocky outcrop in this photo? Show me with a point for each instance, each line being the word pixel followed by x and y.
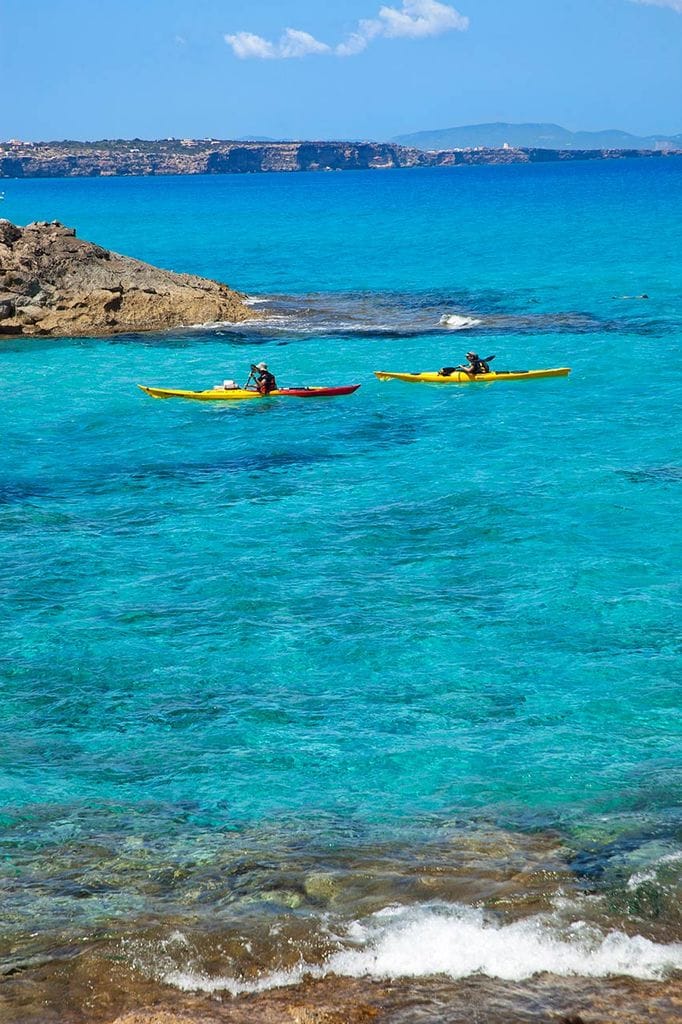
pixel 119 157
pixel 54 284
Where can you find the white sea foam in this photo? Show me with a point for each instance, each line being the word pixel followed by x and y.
pixel 459 323
pixel 246 325
pixel 457 941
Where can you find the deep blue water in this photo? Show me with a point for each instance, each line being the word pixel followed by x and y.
pixel 373 618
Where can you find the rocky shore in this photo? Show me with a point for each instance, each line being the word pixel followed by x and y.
pixel 546 999
pixel 56 285
pixel 118 157
pixel 260 903
pixel 481 1000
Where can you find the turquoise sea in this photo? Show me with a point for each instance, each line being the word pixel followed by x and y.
pixel 387 685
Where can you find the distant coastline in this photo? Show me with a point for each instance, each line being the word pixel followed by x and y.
pixel 137 157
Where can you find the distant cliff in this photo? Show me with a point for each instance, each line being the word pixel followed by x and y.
pixel 54 284
pixel 189 156
pixel 138 157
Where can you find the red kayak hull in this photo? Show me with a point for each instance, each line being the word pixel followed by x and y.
pixel 318 392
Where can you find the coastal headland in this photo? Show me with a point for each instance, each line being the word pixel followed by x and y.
pixel 120 157
pixel 56 285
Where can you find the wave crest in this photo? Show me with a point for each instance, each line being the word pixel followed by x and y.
pixel 455 322
pixel 457 942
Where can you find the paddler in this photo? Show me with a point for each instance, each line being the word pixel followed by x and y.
pixel 265 381
pixel 475 365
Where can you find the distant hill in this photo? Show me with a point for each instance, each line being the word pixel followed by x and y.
pixel 533 136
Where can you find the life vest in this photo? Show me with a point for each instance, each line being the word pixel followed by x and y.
pixel 266 382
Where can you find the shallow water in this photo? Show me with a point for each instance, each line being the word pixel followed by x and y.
pixel 274 643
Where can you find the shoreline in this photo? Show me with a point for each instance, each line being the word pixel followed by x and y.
pixel 388 1002
pixel 333 1000
pixel 140 158
pixel 270 930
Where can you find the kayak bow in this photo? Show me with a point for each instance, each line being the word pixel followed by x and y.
pixel 459 377
pixel 240 394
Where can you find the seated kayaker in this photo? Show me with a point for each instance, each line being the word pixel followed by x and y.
pixel 475 365
pixel 265 381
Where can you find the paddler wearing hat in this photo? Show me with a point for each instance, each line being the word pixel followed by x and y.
pixel 264 380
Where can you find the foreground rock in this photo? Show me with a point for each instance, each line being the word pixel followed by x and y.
pixel 54 284
pixel 436 999
pixel 546 999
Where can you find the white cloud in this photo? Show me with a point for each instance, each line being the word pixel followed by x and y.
pixel 415 19
pixel 246 44
pixel 419 18
pixel 358 41
pixel 293 43
pixel 675 5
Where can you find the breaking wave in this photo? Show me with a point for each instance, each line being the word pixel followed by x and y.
pixel 459 323
pixel 456 942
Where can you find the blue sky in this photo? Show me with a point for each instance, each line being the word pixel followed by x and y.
pixel 359 69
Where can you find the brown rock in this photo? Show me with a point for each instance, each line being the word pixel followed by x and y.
pixel 9 232
pixel 52 283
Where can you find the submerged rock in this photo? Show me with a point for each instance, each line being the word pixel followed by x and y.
pixel 54 284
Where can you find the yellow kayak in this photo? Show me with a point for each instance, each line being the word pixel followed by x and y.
pixel 237 394
pixel 460 377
